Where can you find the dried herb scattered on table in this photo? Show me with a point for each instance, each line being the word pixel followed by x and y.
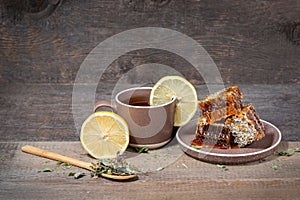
pixel 77 175
pixel 47 169
pixel 142 149
pixel 160 168
pixel 274 166
pixel 262 160
pixel 64 165
pixel 224 167
pixel 288 152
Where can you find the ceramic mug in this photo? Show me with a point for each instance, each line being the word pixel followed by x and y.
pixel 149 126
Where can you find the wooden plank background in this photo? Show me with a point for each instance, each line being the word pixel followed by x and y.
pixel 255 44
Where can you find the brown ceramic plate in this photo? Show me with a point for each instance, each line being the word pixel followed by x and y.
pixel 255 151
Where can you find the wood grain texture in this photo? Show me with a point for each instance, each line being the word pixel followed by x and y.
pixel 254 44
pixel 43 112
pixel 251 42
pixel 184 178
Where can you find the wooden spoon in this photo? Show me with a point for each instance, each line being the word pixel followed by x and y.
pixel 85 165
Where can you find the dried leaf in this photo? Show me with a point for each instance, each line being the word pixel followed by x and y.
pixel 297 149
pixel 160 168
pixel 63 164
pixel 58 163
pixel 47 169
pixel 286 153
pixel 141 149
pixel 224 167
pixel 184 165
pixel 262 160
pixel 77 175
pixel 275 167
pixel 71 173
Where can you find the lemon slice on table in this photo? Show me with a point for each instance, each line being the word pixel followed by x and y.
pixel 169 87
pixel 103 134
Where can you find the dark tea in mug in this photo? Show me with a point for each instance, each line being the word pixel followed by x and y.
pixel 138 101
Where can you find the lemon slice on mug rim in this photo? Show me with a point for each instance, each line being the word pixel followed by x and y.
pixel 185 93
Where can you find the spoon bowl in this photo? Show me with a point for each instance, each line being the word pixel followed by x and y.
pixel 119 177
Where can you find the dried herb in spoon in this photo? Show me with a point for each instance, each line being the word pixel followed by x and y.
pixel 117 166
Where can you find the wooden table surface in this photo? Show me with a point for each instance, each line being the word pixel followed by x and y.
pixel 165 173
pixel 275 177
pixel 254 44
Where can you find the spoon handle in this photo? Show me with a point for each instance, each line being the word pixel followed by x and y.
pixel 54 156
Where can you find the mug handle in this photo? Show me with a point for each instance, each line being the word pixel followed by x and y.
pixel 104 103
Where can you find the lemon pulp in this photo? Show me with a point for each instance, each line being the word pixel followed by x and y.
pixel 185 93
pixel 103 134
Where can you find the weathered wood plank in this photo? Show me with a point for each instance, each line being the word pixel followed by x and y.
pixel 251 42
pixel 186 177
pixel 37 112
